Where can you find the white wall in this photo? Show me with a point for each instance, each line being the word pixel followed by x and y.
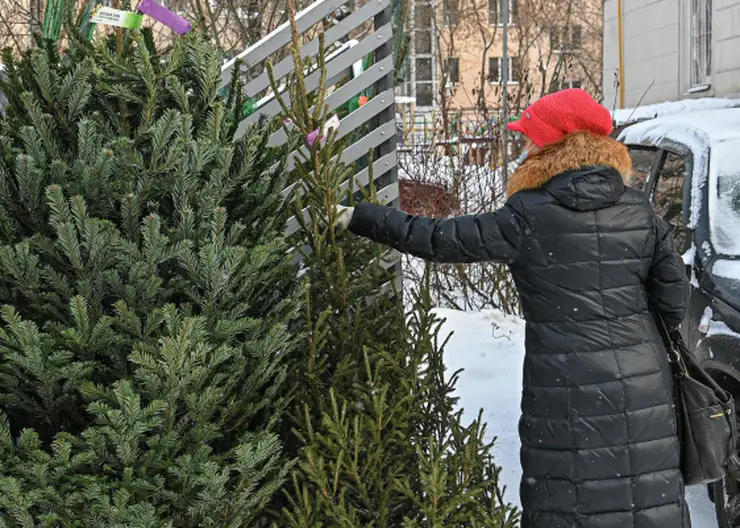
pixel 656 38
pixel 726 78
pixel 651 50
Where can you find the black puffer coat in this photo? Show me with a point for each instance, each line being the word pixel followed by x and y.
pixel 598 429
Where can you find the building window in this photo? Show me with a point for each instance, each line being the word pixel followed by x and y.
pixel 576 37
pixel 424 81
pixel 515 69
pixel 496 11
pixel 701 43
pixel 424 15
pixel 567 38
pixel 423 69
pixel 424 94
pixel 452 12
pixel 452 70
pixel 423 41
pixel 495 68
pixel 424 66
pixel 558 85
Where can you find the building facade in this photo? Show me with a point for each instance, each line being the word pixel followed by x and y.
pixel 456 51
pixel 16 28
pixel 670 50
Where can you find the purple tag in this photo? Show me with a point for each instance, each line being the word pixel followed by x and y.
pixel 312 137
pixel 165 16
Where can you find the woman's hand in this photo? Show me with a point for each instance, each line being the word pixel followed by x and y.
pixel 343 216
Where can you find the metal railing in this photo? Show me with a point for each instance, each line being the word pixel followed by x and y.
pixel 371 127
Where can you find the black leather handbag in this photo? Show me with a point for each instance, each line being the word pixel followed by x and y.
pixel 706 415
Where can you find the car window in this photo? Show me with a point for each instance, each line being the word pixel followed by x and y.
pixel 724 199
pixel 668 198
pixel 643 161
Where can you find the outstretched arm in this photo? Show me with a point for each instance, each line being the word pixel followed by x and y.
pixel 479 238
pixel 667 285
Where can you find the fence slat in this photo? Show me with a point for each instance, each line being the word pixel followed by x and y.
pixel 280 37
pixel 357 118
pixel 356 150
pixel 378 138
pixel 345 93
pixel 386 195
pixel 285 66
pixel 334 68
pixel 380 166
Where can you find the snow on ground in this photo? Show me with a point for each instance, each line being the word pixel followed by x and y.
pixel 631 115
pixel 490 347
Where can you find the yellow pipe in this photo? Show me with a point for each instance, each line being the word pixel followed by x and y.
pixel 621 54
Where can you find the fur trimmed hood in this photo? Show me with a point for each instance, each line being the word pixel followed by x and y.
pixel 575 151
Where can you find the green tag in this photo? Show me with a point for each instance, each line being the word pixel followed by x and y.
pixel 249 107
pixel 354 103
pixel 116 17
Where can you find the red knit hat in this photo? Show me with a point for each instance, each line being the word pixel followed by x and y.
pixel 553 117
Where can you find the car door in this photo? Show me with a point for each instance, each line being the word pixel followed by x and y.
pixel 668 190
pixel 665 176
pixel 670 193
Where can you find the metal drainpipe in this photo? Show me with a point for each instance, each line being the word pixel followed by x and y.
pixel 621 54
pixel 505 92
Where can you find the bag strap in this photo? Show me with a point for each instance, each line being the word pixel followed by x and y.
pixel 674 351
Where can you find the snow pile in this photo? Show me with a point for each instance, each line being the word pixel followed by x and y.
pixel 490 347
pixel 632 115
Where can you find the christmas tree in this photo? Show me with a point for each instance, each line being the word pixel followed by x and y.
pixel 146 292
pixel 379 441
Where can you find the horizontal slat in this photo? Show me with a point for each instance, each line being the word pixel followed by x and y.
pixel 391 258
pixel 345 93
pixel 285 66
pixel 388 260
pixel 374 139
pixel 389 193
pixel 278 38
pixel 385 196
pixel 360 148
pixel 380 167
pixel 362 115
pixel 334 67
pixel 361 179
pixel 387 288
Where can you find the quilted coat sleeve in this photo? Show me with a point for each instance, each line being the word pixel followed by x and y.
pixel 667 285
pixel 479 238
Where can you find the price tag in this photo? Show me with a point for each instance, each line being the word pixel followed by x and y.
pixel 116 17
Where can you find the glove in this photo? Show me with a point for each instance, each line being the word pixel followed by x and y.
pixel 344 216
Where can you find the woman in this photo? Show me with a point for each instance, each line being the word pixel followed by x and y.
pixel 589 258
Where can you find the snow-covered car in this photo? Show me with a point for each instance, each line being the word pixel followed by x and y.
pixel 689 166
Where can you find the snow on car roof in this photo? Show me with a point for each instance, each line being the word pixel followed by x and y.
pixel 707 126
pixel 628 116
pixel 699 131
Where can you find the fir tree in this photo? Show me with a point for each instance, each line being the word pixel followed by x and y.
pixel 146 292
pixel 380 443
pixel 401 39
